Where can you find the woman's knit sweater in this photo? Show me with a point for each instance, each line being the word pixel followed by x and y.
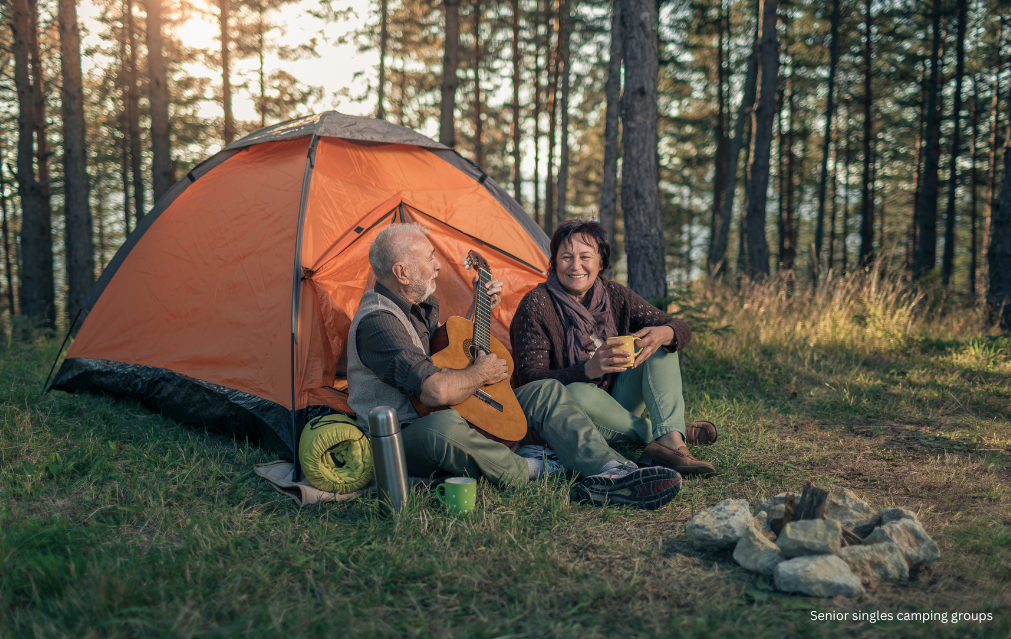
pixel 538 336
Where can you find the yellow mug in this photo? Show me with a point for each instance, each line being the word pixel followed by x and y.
pixel 628 344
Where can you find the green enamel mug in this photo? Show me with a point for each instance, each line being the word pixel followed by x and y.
pixel 458 493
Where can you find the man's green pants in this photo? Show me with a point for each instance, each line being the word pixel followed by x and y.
pixel 442 442
pixel 654 385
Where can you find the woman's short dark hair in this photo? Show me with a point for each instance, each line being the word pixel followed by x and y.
pixel 588 228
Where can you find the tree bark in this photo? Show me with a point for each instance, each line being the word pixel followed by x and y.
pixel 948 257
pixel 383 38
pixel 973 183
pixel 565 72
pixel 450 81
pixel 914 229
pixel 124 164
pixel 833 51
pixel 78 245
pixel 866 196
pixel 478 118
pixel 553 74
pixel 640 196
pixel 133 115
pixel 516 123
pixel 926 248
pixel 761 143
pixel 846 194
pixel 540 53
pixel 226 71
pixel 998 294
pixel 609 181
pixel 37 292
pixel 734 151
pixel 835 194
pixel 5 229
pixel 991 195
pixel 720 157
pixel 158 95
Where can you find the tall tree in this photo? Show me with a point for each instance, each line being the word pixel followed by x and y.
pixel 226 70
pixel 5 230
pixel 866 188
pixel 998 293
pixel 720 156
pixel 833 52
pixel 991 194
pixel 926 248
pixel 516 123
pixel 132 100
pixel 478 117
pixel 734 151
pixel 158 95
pixel 37 291
pixel 640 196
pixel 383 40
pixel 948 257
pixel 80 252
pixel 609 179
pixel 761 143
pixel 973 184
pixel 450 81
pixel 553 74
pixel 565 72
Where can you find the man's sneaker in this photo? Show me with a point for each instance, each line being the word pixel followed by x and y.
pixel 648 488
pixel 543 454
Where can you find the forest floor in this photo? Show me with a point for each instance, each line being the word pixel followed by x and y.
pixel 115 522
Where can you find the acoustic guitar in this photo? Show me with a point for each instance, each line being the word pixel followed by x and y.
pixel 492 410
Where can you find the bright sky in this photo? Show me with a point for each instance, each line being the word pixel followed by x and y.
pixel 334 70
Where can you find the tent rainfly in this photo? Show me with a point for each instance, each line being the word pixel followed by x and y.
pixel 228 306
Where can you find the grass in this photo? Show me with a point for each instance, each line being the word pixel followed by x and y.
pixel 115 522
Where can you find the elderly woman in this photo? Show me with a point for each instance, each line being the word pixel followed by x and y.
pixel 561 330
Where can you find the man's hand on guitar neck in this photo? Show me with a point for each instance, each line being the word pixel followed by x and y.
pixel 494 289
pixel 451 386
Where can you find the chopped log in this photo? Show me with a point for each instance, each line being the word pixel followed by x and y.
pixel 789 507
pixel 812 503
pixel 850 538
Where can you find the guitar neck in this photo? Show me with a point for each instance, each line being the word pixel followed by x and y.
pixel 482 312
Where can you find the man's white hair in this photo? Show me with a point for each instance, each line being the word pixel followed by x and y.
pixel 393 245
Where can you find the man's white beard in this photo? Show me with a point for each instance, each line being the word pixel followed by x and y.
pixel 422 288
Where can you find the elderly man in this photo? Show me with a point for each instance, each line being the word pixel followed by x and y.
pixel 389 362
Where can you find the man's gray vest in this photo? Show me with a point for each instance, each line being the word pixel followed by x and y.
pixel 365 389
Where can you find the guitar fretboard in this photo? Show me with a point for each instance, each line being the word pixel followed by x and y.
pixel 482 312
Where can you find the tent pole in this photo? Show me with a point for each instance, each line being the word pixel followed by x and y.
pixel 296 289
pixel 45 387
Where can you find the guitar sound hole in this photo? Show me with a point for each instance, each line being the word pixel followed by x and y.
pixel 470 350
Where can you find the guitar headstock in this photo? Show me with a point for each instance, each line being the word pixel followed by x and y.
pixel 475 260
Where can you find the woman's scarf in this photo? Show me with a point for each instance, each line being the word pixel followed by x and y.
pixel 581 320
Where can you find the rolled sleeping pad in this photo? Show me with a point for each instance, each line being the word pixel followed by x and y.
pixel 336 455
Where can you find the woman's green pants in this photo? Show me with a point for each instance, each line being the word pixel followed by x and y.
pixel 654 385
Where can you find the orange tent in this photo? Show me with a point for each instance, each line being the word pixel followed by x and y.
pixel 229 305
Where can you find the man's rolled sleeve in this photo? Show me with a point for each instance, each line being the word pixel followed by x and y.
pixel 387 349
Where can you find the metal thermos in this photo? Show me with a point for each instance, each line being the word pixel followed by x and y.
pixel 388 457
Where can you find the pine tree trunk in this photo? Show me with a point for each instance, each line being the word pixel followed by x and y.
pixel 78 245
pixel 133 115
pixel 450 81
pixel 835 194
pixel 973 183
pixel 5 229
pixel 383 39
pixel 478 117
pixel 761 143
pixel 789 247
pixel 541 53
pixel 734 152
pixel 866 197
pixel 100 199
pixel 998 294
pixel 948 257
pixel 563 160
pixel 914 228
pixel 226 71
pixel 991 195
pixel 926 248
pixel 640 196
pixel 819 229
pixel 516 122
pixel 124 123
pixel 161 155
pixel 261 51
pixel 720 157
pixel 549 184
pixel 37 291
pixel 609 181
pixel 846 194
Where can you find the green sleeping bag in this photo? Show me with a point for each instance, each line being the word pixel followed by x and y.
pixel 336 455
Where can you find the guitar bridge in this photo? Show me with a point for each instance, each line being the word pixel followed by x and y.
pixel 488 399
